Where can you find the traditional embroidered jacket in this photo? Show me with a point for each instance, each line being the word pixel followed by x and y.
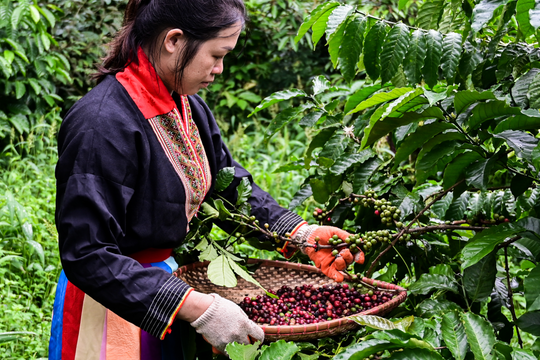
pixel 135 163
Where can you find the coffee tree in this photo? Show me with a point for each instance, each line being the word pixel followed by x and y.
pixel 428 149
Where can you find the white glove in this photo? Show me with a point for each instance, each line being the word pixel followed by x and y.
pixel 224 322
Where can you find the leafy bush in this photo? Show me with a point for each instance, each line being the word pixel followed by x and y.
pixel 31 71
pixel 430 151
pixel 82 32
pixel 29 261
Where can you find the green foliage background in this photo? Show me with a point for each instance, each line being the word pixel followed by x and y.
pixel 432 104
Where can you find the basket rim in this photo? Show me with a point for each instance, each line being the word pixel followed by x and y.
pixel 321 326
pixel 274 263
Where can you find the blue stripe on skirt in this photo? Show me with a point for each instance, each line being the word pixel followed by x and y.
pixel 55 345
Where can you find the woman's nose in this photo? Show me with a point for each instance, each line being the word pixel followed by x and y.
pixel 218 68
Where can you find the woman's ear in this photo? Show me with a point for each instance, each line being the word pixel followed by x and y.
pixel 174 40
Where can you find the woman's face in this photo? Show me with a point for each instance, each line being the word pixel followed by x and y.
pixel 205 65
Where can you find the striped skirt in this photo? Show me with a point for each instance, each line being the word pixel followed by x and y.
pixel 82 329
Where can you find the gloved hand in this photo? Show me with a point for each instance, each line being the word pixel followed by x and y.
pixel 224 322
pixel 331 265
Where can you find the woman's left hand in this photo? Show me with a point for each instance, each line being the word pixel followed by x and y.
pixel 224 322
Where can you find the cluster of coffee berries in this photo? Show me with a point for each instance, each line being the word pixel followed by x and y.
pixel 481 220
pixel 405 237
pixel 383 208
pixel 321 215
pixel 375 237
pixel 240 237
pixel 307 304
pixel 369 199
pixel 353 242
pixel 387 212
pixel 500 218
pixel 372 238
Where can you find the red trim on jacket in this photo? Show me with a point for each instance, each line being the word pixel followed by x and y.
pixel 146 88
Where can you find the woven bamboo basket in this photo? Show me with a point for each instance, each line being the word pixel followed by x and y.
pixel 273 275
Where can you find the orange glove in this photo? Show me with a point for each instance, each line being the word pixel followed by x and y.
pixel 331 265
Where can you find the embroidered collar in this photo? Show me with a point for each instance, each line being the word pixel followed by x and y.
pixel 145 87
pixel 174 128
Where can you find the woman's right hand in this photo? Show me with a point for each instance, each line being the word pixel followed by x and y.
pixel 222 322
pixel 331 265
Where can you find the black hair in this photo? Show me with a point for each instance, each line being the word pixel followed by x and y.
pixel 145 20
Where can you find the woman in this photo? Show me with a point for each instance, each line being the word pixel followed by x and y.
pixel 137 157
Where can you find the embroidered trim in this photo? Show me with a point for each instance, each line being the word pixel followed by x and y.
pixel 181 141
pixel 166 303
pixel 176 131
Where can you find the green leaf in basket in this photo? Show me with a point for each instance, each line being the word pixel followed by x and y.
pixel 203 244
pixel 220 272
pixel 238 351
pixel 280 350
pixel 209 253
pixel 244 274
pixel 231 256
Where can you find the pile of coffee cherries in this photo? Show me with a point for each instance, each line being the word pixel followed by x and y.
pixel 307 304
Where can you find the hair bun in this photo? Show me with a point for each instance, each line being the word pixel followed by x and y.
pixel 133 9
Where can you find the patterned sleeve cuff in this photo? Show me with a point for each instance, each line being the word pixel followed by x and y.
pixel 287 223
pixel 165 306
